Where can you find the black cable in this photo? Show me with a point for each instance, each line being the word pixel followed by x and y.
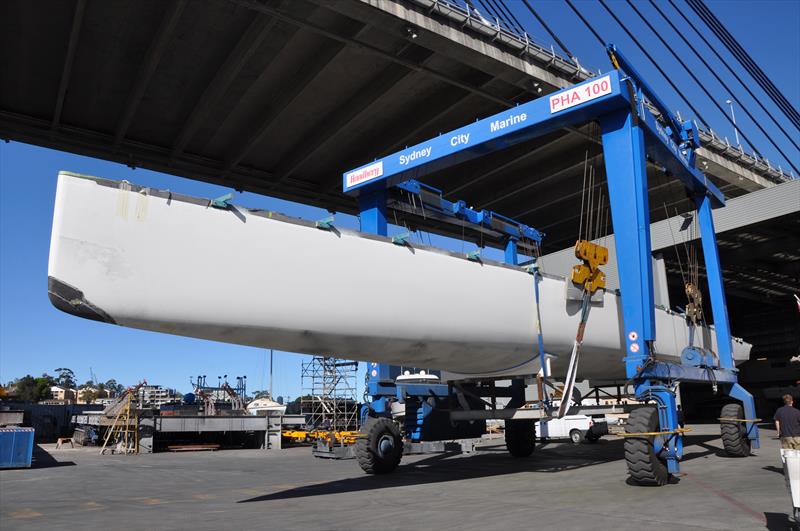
pixel 511 16
pixel 603 43
pixel 597 36
pixel 731 70
pixel 699 84
pixel 549 31
pixel 655 63
pixel 721 82
pixel 489 10
pixel 744 58
pixel 501 14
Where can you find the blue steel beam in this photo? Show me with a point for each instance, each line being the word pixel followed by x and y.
pixel 572 106
pixel 667 372
pixel 504 129
pixel 716 289
pixel 624 156
pixel 432 199
pixel 672 146
pixel 626 124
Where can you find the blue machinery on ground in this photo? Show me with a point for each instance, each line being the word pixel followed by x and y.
pixel 631 135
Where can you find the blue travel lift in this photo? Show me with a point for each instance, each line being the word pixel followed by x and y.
pixel 631 136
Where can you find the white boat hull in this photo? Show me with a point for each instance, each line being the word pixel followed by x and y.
pixel 157 261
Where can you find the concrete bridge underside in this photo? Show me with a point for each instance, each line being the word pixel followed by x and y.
pixel 279 97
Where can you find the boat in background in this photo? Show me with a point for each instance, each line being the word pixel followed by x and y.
pixel 160 261
pixel 265 406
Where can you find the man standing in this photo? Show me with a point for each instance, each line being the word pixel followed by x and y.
pixel 787 422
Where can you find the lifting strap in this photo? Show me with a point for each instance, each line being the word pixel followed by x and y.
pixel 537 277
pixel 572 370
pixel 591 278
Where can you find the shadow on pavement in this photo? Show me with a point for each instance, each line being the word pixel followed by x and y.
pixel 489 461
pixel 779 522
pixel 42 459
pixel 701 440
pixel 442 468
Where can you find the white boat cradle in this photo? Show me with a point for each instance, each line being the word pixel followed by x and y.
pixel 159 261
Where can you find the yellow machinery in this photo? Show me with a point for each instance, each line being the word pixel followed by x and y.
pixel 309 437
pixel 588 274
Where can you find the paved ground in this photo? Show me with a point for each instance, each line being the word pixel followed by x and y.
pixel 562 487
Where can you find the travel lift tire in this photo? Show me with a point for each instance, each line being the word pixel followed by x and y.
pixel 734 434
pixel 520 437
pixel 645 467
pixel 380 450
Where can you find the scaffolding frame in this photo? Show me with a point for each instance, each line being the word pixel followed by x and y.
pixel 329 393
pixel 123 434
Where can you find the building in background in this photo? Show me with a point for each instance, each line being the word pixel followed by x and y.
pixel 156 396
pixel 63 395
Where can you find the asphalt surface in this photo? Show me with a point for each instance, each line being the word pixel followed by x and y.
pixel 562 486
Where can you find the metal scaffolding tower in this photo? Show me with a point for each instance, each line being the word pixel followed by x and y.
pixel 122 437
pixel 329 393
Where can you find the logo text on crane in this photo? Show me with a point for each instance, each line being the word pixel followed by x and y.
pixel 581 94
pixel 367 173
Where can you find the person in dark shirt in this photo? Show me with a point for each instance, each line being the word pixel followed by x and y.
pixel 787 422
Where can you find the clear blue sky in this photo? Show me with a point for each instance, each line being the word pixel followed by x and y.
pixel 36 338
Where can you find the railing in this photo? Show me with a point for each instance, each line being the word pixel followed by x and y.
pixel 525 45
pixel 521 43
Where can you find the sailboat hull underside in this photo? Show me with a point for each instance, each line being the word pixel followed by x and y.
pixel 158 261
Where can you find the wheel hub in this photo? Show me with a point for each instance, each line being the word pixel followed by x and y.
pixel 385 445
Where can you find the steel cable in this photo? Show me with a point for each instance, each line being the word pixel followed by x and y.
pixel 549 31
pixel 586 23
pixel 655 63
pixel 500 9
pixel 701 85
pixel 511 14
pixel 744 59
pixel 490 11
pixel 731 70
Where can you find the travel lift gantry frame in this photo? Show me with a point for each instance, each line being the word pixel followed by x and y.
pixel 631 135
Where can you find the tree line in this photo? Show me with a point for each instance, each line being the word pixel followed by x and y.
pixel 33 389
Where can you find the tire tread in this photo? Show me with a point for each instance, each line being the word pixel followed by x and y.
pixel 734 435
pixel 520 437
pixel 644 466
pixel 369 461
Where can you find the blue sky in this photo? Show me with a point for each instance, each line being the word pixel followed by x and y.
pixel 767 29
pixel 34 337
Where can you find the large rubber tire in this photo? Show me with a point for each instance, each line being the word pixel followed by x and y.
pixel 380 450
pixel 644 466
pixel 734 434
pixel 520 437
pixel 575 436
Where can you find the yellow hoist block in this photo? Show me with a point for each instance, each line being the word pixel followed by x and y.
pixel 694 308
pixel 588 274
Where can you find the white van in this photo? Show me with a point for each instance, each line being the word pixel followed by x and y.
pixel 572 427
